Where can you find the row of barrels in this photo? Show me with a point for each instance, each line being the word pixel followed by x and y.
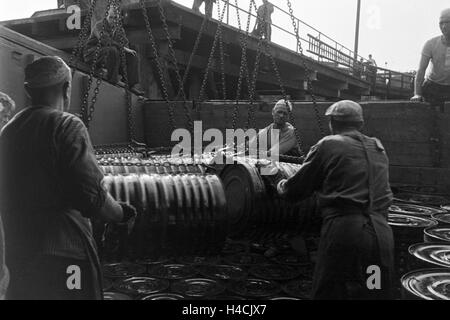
pixel 176 214
pixel 421 226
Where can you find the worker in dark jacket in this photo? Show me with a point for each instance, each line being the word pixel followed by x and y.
pixel 349 174
pixel 113 41
pixel 50 188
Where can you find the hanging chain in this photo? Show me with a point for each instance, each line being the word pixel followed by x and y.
pixel 285 97
pixel 177 70
pixel 194 51
pixel 211 55
pixel 128 99
pixel 243 39
pixel 222 61
pixel 310 87
pixel 170 106
pixel 99 79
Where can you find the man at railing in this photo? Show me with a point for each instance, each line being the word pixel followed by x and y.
pixel 263 26
pixel 436 87
pixel 209 4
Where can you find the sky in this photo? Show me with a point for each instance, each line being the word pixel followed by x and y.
pixel 393 31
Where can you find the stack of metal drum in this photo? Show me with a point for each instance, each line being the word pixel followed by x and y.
pixel 421 224
pixel 201 231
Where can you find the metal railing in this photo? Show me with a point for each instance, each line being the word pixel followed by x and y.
pixel 318 46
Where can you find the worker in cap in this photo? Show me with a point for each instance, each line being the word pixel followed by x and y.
pixel 284 142
pixel 434 87
pixel 51 187
pixel 348 172
pixel 209 6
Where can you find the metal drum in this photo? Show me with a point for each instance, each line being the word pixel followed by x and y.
pixel 422 199
pixel 177 215
pixel 408 230
pixel 255 213
pixel 437 234
pixel 255 288
pixel 141 286
pixel 164 296
pixel 222 272
pixel 123 270
pixel 198 288
pixel 442 218
pixel 432 254
pixel 115 296
pixel 172 272
pixel 427 284
pixel 414 210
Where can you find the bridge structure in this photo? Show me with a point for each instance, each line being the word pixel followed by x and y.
pixel 185 41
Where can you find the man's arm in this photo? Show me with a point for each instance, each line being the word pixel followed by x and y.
pixel 307 180
pixel 420 78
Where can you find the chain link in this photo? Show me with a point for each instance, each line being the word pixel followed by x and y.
pixel 99 78
pixel 177 70
pixel 222 59
pixel 128 98
pixel 170 106
pixel 310 87
pixel 211 55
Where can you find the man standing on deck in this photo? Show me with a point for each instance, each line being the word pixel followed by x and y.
pixel 263 26
pixel 209 5
pixel 349 172
pixel 435 88
pixel 50 187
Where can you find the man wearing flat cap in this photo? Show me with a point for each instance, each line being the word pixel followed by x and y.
pixel 50 187
pixel 348 171
pixel 435 87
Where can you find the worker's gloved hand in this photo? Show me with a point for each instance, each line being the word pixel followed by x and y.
pixel 417 98
pixel 129 216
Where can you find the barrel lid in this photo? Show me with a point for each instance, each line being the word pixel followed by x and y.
pixel 172 272
pixel 198 288
pixel 154 261
pixel 164 296
pixel 284 298
pixel 440 233
pixel 299 288
pixel 422 199
pixel 414 210
pixel 401 220
pixel 442 217
pixel 115 296
pixel 123 270
pixel 446 207
pixel 434 253
pixel 222 272
pixel 275 272
pixel 141 286
pixel 428 284
pixel 255 288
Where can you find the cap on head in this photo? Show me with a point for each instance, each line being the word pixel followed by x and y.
pixel 346 110
pixel 47 72
pixel 445 15
pixel 283 103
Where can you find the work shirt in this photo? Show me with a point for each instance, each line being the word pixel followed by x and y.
pixel 287 142
pixel 439 52
pixel 50 186
pixel 337 169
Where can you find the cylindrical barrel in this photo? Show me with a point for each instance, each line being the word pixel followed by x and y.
pixel 442 218
pixel 431 255
pixel 177 215
pixel 255 212
pixel 437 234
pixel 427 284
